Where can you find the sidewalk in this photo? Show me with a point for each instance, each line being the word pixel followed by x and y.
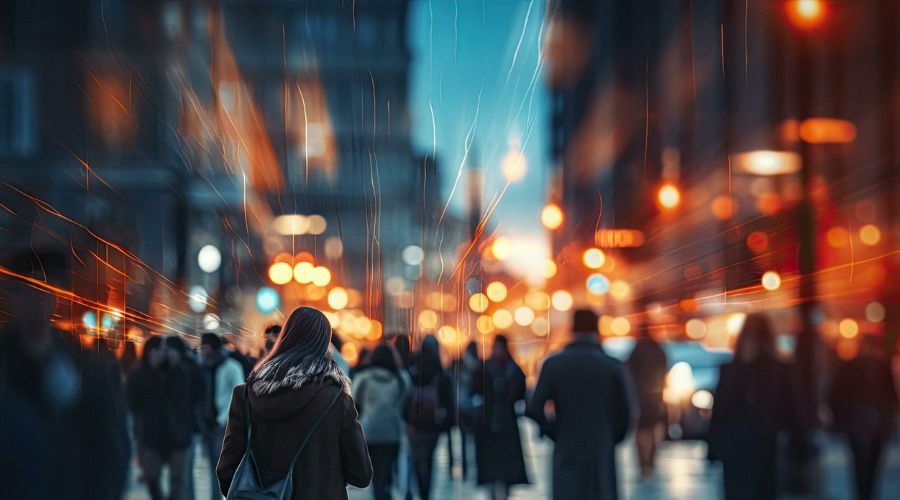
pixel 682 472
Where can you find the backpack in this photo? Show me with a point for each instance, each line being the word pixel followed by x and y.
pixel 423 408
pixel 247 483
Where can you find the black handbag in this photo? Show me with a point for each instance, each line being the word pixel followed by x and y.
pixel 247 483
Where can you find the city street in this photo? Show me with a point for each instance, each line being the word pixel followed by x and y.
pixel 682 472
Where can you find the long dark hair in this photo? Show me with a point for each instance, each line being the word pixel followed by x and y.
pixel 299 355
pixel 428 360
pixel 385 356
pixel 757 330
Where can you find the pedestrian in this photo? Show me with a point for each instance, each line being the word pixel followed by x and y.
pixel 500 384
pixel 335 350
pixel 463 372
pixel 161 395
pixel 864 404
pixel 592 406
pixel 427 411
pixel 270 336
pixel 199 390
pixel 73 406
pixel 753 405
pixel 380 391
pixel 297 399
pixel 222 375
pixel 647 366
pixel 234 352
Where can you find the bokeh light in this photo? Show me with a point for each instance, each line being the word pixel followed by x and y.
pixel 479 302
pixel 561 300
pixel 552 216
pixel 496 291
pixel 281 273
pixel 593 258
pixel 771 280
pixel 848 328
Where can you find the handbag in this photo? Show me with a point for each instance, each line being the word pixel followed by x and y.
pixel 247 483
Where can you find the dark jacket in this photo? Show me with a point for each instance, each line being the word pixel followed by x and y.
pixel 498 446
pixel 593 412
pixel 335 455
pixel 647 366
pixel 163 402
pixel 753 403
pixel 863 398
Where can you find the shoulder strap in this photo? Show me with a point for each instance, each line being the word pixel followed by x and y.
pixel 249 417
pixel 313 429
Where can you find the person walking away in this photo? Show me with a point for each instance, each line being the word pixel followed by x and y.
pixel 864 405
pixel 296 385
pixel 592 413
pixel 75 406
pixel 380 390
pixel 647 366
pixel 160 394
pixel 233 351
pixel 199 390
pixel 427 411
pixel 222 375
pixel 463 372
pixel 500 384
pixel 753 405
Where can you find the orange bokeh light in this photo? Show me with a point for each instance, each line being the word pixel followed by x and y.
pixel 552 216
pixel 806 14
pixel 668 196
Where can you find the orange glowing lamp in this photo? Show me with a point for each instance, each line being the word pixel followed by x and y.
pixel 806 14
pixel 552 216
pixel 668 196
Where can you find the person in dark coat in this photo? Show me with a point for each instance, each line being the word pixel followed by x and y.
pixel 162 396
pixel 74 402
pixel 427 412
pixel 500 384
pixel 592 413
pixel 647 366
pixel 753 404
pixel 287 391
pixel 199 390
pixel 864 404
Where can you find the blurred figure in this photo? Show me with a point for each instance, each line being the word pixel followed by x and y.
pixel 270 336
pixel 294 388
pixel 362 361
pixel 223 374
pixel 401 343
pixel 199 407
pixel 753 403
pixel 591 413
pixel 427 411
pixel 234 352
pixel 647 366
pixel 335 350
pixel 161 394
pixel 63 406
pixel 380 390
pixel 499 383
pixel 864 405
pixel 463 371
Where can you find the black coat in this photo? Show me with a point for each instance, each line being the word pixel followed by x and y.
pixel 498 446
pixel 335 455
pixel 647 366
pixel 163 402
pixel 863 398
pixel 753 403
pixel 590 394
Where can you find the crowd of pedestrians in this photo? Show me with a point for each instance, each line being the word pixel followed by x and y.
pixel 301 423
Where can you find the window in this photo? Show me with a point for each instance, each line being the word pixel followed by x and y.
pixel 17 114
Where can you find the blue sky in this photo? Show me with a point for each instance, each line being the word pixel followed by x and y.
pixel 463 49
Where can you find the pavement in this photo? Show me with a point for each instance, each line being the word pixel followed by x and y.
pixel 681 472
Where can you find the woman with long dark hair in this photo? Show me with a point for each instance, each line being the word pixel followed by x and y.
pixel 380 390
pixel 296 386
pixel 753 404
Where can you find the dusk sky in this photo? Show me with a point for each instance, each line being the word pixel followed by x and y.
pixel 469 48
